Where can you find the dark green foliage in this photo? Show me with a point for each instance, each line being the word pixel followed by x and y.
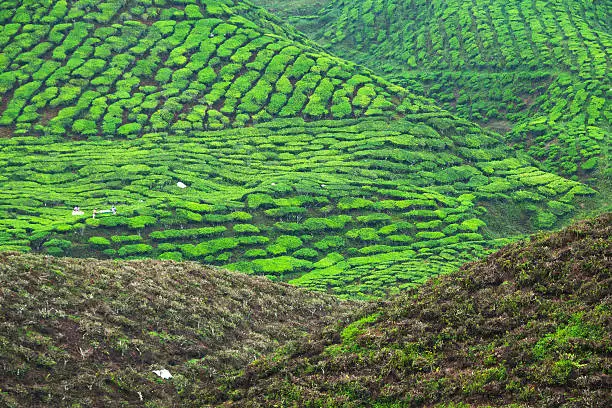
pixel 171 256
pixel 135 249
pixel 99 241
pixel 126 238
pixel 186 233
pixel 211 247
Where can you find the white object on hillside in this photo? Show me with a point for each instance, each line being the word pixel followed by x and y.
pixel 180 184
pixel 163 373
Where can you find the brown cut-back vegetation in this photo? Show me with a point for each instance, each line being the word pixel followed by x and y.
pixel 91 333
pixel 530 326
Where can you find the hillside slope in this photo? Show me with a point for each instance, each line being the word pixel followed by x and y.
pixel 537 70
pixel 221 135
pixel 119 69
pixel 357 207
pixel 531 325
pixel 91 332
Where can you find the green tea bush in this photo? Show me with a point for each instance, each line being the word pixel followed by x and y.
pixel 62 244
pixel 253 240
pixel 363 234
pixel 256 201
pixel 99 241
pixel 209 247
pixel 171 256
pixel 472 225
pixel 307 253
pixel 135 249
pixel 141 221
pixel 126 238
pixel 328 242
pixel 255 253
pixel 349 203
pixel 430 235
pixel 245 228
pixel 187 233
pixel 167 247
pixel 280 265
pixel 289 242
pixel 374 218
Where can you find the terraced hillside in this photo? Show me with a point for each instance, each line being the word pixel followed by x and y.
pixel 91 333
pixel 359 207
pixel 222 136
pixel 538 70
pixel 528 327
pixel 118 69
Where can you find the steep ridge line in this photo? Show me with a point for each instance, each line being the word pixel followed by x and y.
pixel 531 325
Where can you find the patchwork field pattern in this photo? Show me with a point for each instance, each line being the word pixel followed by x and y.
pixel 357 207
pixel 539 70
pixel 118 69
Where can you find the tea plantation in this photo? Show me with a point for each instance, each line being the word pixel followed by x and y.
pixel 357 207
pixel 538 71
pixel 202 204
pixel 222 135
pixel 119 69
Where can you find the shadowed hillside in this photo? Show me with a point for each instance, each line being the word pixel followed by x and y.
pixel 531 325
pixel 91 332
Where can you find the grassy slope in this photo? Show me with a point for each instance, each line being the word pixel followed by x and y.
pixel 530 325
pixel 540 70
pixel 91 332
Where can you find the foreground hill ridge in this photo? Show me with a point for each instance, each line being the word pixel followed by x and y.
pixel 537 70
pixel 124 68
pixel 531 325
pixel 528 326
pixel 91 332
